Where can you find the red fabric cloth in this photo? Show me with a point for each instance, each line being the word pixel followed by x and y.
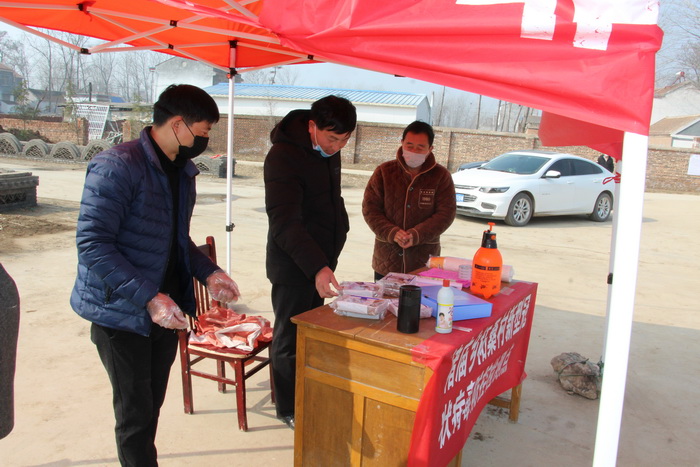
pixel 139 24
pixel 470 369
pixel 224 328
pixel 588 61
pixel 556 130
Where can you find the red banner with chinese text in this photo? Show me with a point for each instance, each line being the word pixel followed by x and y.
pixel 470 369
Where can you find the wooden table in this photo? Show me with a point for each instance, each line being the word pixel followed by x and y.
pixel 358 389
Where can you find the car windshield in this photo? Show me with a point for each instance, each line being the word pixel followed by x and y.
pixel 521 164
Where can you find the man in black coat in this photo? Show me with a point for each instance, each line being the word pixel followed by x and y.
pixel 308 225
pixel 607 162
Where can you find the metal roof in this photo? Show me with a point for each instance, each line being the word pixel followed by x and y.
pixel 302 93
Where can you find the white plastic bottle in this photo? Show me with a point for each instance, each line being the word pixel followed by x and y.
pixel 446 303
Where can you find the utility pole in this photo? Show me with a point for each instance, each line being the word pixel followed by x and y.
pixel 478 113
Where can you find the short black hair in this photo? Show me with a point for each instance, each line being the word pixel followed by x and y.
pixel 191 103
pixel 418 128
pixel 334 113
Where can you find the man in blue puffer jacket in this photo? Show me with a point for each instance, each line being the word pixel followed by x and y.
pixel 136 260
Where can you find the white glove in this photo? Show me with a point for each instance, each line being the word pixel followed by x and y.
pixel 222 288
pixel 165 312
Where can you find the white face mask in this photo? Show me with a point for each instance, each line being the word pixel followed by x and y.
pixel 318 148
pixel 413 159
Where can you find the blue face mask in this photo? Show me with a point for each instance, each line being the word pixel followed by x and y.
pixel 317 147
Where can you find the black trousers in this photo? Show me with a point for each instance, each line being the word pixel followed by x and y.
pixel 288 301
pixel 138 368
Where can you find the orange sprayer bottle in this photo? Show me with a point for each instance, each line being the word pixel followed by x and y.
pixel 486 266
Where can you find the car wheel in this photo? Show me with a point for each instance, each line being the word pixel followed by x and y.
pixel 602 208
pixel 520 210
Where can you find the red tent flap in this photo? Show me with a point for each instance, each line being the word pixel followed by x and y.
pixel 590 61
pixel 556 130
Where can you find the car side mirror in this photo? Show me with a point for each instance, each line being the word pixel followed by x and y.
pixel 552 174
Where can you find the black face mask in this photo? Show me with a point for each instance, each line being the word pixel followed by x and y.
pixel 185 153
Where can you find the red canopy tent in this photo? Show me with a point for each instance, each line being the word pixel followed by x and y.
pixel 588 64
pixel 590 61
pixel 232 40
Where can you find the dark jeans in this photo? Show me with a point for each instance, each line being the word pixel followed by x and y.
pixel 288 301
pixel 138 368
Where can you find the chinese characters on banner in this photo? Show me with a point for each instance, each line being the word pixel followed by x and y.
pixel 470 369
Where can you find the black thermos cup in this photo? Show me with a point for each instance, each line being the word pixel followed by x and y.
pixel 409 309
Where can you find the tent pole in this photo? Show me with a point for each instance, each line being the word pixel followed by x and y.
pixel 626 243
pixel 229 155
pixel 611 266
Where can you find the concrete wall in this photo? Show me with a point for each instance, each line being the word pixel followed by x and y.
pixel 374 143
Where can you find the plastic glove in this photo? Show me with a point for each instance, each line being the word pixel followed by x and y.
pixel 222 288
pixel 165 312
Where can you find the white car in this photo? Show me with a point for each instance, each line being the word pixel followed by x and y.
pixel 518 185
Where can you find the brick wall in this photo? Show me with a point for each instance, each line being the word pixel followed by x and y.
pixel 374 143
pixel 667 171
pixel 55 132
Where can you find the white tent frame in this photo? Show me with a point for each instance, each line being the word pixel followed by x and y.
pixel 625 262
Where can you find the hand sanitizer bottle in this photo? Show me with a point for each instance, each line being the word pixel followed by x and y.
pixel 446 302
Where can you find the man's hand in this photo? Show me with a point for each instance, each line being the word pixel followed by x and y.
pixel 165 312
pixel 403 239
pixel 222 288
pixel 324 279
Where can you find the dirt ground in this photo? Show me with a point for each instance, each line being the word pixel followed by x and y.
pixel 63 413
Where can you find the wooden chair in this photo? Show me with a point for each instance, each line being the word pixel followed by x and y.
pixel 245 364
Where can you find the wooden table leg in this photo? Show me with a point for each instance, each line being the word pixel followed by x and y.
pixel 512 403
pixel 514 409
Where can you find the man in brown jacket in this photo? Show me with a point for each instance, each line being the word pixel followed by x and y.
pixel 408 203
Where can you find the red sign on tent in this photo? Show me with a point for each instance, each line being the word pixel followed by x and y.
pixel 587 60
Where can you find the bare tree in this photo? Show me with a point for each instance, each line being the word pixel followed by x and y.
pixel 285 75
pixel 12 54
pixel 102 72
pixel 439 108
pixel 680 52
pixel 42 56
pixel 69 62
pixel 57 68
pixel 148 61
pixel 455 111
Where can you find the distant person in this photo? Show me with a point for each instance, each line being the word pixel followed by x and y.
pixel 136 260
pixel 607 162
pixel 308 225
pixel 408 203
